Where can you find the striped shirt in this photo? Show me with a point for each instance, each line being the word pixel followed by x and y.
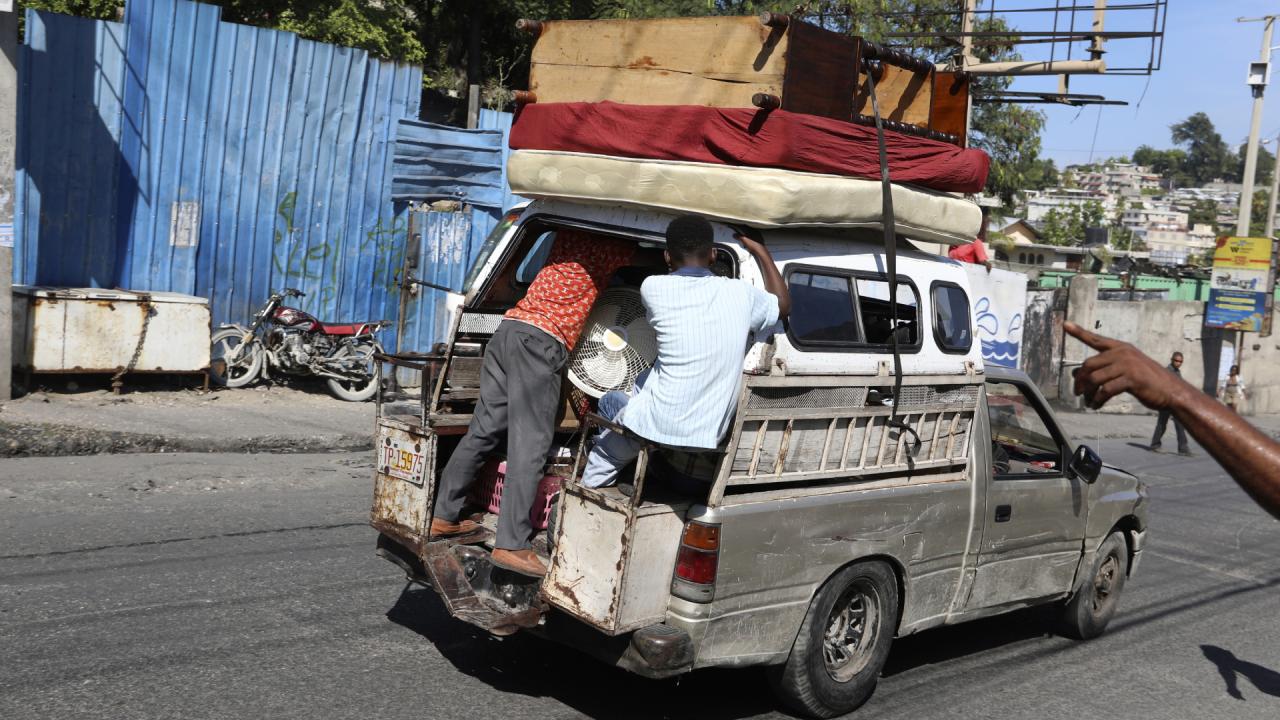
pixel 704 324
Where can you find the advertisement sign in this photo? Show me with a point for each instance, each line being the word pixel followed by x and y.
pixel 999 299
pixel 1242 253
pixel 1239 285
pixel 1235 310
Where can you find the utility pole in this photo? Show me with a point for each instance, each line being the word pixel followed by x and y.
pixel 1258 77
pixel 1271 199
pixel 8 144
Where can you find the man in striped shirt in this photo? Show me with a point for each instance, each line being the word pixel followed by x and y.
pixel 704 325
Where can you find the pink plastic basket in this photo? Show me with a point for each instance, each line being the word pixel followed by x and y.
pixel 489 492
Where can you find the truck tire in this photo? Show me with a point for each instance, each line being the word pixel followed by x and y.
pixel 1087 613
pixel 842 644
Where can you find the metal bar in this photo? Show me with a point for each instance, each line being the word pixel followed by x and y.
pixel 783 446
pixel 1061 34
pixel 811 413
pixel 844 449
pixel 756 447
pixel 826 444
pixel 951 433
pixel 1031 67
pixel 815 476
pixel 933 444
pixel 884 440
pixel 834 488
pixel 866 442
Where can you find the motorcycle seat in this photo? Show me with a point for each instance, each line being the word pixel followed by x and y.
pixel 348 329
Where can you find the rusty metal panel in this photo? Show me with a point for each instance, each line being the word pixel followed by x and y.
pixel 585 576
pixel 93 330
pixel 403 475
pixel 613 562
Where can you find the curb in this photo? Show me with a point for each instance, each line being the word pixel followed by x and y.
pixel 47 440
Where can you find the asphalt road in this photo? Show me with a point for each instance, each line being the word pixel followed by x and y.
pixel 222 586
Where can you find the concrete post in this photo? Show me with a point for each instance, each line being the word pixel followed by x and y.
pixel 1082 309
pixel 8 137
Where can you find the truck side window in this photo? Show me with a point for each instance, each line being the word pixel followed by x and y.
pixel 951 326
pixel 822 309
pixel 536 258
pixel 1021 443
pixel 877 318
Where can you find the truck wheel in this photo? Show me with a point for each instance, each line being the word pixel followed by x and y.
pixel 1087 613
pixel 842 644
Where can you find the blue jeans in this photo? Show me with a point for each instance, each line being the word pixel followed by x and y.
pixel 612 451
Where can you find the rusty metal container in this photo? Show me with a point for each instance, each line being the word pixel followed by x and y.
pixel 97 330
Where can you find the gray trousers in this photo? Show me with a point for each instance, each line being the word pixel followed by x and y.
pixel 519 397
pixel 1162 421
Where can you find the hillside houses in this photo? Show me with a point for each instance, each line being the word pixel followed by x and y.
pixel 1170 223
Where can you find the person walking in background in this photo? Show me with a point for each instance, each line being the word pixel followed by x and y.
pixel 1232 391
pixel 1162 420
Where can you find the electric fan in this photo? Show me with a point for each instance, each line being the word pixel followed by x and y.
pixel 616 344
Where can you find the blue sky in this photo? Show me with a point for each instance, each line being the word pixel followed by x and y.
pixel 1206 54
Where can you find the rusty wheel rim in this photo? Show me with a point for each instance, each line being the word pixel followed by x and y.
pixel 852 628
pixel 1104 583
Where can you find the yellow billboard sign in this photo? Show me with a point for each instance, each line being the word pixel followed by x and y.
pixel 1242 253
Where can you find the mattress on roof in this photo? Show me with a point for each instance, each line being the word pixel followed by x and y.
pixel 762 197
pixel 747 137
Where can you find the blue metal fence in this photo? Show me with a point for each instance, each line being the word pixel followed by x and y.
pixel 177 152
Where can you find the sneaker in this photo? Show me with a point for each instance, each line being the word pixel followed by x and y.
pixel 1186 453
pixel 1154 447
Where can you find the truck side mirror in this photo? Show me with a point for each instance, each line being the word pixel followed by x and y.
pixel 1085 464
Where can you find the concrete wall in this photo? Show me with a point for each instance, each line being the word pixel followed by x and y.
pixel 1160 328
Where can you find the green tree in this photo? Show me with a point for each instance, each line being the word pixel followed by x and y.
pixel 1208 157
pixel 1262 171
pixel 1065 225
pixel 1166 163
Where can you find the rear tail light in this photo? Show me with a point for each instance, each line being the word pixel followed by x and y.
pixel 696 562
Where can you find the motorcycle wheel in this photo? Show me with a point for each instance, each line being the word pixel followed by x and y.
pixel 244 371
pixel 355 390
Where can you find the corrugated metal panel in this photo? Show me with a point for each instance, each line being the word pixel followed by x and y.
pixel 437 162
pixel 227 161
pixel 69 110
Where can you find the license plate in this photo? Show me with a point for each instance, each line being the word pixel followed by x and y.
pixel 404 459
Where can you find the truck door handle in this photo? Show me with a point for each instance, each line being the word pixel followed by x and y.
pixel 1003 513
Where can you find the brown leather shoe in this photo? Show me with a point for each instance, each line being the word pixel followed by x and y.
pixel 525 562
pixel 443 528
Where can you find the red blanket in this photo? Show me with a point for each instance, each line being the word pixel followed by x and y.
pixel 746 136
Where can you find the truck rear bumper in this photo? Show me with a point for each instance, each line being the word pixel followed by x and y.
pixel 657 651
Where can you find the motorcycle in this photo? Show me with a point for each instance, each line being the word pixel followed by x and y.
pixel 292 342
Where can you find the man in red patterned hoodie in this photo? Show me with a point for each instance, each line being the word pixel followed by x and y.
pixel 520 391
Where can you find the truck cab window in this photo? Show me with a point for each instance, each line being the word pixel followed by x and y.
pixel 951 324
pixel 877 318
pixel 1021 442
pixel 822 309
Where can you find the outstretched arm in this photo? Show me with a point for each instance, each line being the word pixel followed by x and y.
pixel 1249 456
pixel 753 241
